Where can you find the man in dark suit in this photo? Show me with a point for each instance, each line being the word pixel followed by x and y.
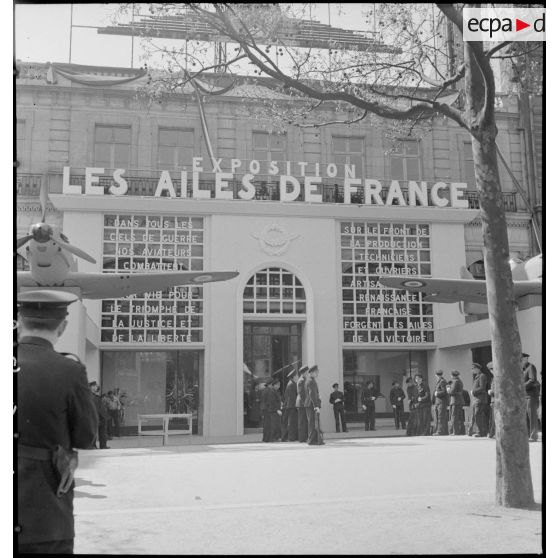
pixel 289 420
pixel 424 406
pixel 396 396
pixel 102 414
pixel 300 409
pixel 55 413
pixel 532 390
pixel 367 400
pixel 313 404
pixel 491 395
pixel 274 410
pixel 264 400
pixel 481 407
pixel 455 391
pixel 441 398
pixel 337 399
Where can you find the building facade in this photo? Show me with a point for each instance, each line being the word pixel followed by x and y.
pixel 308 217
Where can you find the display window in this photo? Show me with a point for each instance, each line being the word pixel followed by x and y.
pixel 141 243
pixel 373 313
pixel 155 382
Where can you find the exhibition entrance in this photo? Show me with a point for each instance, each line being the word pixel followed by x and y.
pixel 270 349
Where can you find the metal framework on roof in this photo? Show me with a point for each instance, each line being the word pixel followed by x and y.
pixel 297 32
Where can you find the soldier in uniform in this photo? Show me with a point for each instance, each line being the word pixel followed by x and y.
pixel 337 399
pixel 300 409
pixel 289 420
pixel 532 390
pixel 441 404
pixel 396 396
pixel 266 418
pixel 273 410
pixel 102 414
pixel 313 404
pixel 424 406
pixel 412 391
pixel 455 390
pixel 491 395
pixel 367 399
pixel 55 413
pixel 480 402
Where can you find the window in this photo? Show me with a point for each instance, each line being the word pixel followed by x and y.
pixel 113 146
pixel 468 169
pixel 274 291
pixel 20 140
pixel 269 147
pixel 348 151
pixel 176 148
pixel 405 161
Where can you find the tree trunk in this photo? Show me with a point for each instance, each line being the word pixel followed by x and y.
pixel 514 486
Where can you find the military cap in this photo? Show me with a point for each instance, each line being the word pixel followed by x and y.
pixel 303 370
pixel 525 355
pixel 291 373
pixel 335 385
pixel 439 372
pixel 455 372
pixel 313 368
pixel 45 303
pixel 476 365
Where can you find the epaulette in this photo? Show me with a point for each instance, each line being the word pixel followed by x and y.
pixel 72 356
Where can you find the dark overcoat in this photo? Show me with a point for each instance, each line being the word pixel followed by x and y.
pixel 54 407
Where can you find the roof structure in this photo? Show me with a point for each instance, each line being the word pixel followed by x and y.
pixel 297 32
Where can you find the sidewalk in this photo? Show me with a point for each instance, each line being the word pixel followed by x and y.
pixel 384 428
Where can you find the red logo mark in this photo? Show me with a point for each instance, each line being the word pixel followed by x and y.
pixel 520 24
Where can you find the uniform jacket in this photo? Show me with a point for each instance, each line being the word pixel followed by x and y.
pixel 301 392
pixel 264 397
pixel 312 394
pixel 395 394
pixel 530 377
pixel 480 389
pixel 412 394
pixel 101 407
pixel 337 395
pixel 456 392
pixel 54 407
pixel 367 395
pixel 273 401
pixel 440 391
pixel 423 395
pixel 290 395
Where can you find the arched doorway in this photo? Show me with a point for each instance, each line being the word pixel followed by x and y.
pixel 274 313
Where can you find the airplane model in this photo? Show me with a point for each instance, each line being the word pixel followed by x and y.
pixel 51 260
pixel 471 293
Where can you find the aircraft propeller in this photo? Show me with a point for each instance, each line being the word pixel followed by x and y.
pixel 43 232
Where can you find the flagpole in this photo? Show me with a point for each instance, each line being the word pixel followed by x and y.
pixel 71 28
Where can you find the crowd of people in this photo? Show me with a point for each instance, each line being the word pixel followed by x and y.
pixel 110 410
pixel 296 415
pixel 448 409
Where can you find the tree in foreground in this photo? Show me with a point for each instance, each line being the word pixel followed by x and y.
pixel 418 68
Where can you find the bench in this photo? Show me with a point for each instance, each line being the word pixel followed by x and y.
pixel 166 418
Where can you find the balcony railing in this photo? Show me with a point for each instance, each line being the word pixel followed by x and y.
pixel 330 189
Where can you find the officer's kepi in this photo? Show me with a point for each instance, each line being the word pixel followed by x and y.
pixel 45 304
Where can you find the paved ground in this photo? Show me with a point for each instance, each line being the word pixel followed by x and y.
pixel 380 495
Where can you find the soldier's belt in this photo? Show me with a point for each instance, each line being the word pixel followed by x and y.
pixel 38 454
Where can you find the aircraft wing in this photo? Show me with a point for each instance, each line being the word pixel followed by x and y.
pixel 455 290
pixel 117 285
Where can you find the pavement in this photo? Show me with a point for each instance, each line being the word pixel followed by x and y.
pixel 379 494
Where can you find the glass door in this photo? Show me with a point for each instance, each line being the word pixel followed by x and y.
pixel 269 349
